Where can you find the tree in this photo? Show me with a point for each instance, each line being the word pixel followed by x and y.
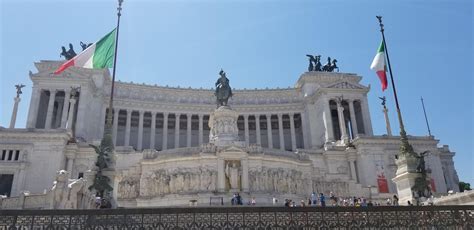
pixel 463 186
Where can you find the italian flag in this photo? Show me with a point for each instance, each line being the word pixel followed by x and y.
pixel 378 64
pixel 97 56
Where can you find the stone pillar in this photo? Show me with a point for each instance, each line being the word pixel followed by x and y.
pixel 176 130
pixel 153 130
pixel 342 123
pixel 165 131
pixel 70 162
pixel 102 120
pixel 188 129
pixel 366 117
pixel 257 129
pixel 292 131
pixel 269 131
pixel 220 175
pixel 127 127
pixel 405 178
pixel 355 130
pixel 280 131
pixel 245 175
pixel 328 121
pixel 15 110
pixel 57 120
pixel 305 131
pixel 49 114
pixel 67 95
pixel 140 130
pixel 387 121
pixel 115 125
pixel 70 118
pixel 353 170
pixel 34 105
pixel 246 129
pixel 200 129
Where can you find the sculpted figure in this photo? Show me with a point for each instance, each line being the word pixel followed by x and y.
pixel 74 188
pixel 59 190
pixel 18 89
pixel 85 46
pixel 232 172
pixel 223 89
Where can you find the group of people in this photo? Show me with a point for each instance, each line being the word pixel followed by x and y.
pixel 320 200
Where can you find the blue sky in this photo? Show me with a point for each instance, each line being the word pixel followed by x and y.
pixel 263 44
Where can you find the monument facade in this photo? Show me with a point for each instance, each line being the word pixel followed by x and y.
pixel 174 145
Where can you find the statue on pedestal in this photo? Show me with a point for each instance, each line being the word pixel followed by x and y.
pixel 232 172
pixel 223 89
pixel 18 89
pixel 69 54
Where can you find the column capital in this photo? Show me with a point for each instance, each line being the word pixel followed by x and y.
pixel 280 115
pixel 268 116
pixel 129 111
pixel 291 115
pixel 153 113
pixel 165 114
pixel 200 115
pixel 189 115
pixel 141 112
pixel 246 116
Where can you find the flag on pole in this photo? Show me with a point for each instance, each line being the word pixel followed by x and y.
pixel 97 56
pixel 378 64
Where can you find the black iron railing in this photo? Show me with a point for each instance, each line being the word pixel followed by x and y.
pixel 413 217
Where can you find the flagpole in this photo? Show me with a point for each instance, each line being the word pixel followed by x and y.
pixel 405 148
pixel 426 118
pixel 108 129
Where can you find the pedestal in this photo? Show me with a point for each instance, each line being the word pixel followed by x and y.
pixel 405 178
pixel 223 125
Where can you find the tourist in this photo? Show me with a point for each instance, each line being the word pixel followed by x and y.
pixel 309 201
pixel 322 200
pixel 302 204
pixel 389 202
pixel 239 199
pixel 275 200
pixel 287 203
pixel 233 201
pixel 253 202
pixel 314 198
pixel 395 200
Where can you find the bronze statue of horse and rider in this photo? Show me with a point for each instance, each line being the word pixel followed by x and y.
pixel 223 90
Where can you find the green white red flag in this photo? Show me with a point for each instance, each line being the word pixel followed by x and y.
pixel 378 64
pixel 97 56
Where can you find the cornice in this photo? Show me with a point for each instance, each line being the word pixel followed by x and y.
pixel 34 134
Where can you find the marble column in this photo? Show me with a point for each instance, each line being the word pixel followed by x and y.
pixel 176 130
pixel 220 175
pixel 153 130
pixel 188 129
pixel 305 130
pixel 34 105
pixel 245 175
pixel 269 131
pixel 57 119
pixel 280 131
pixel 127 127
pixel 15 110
pixel 355 130
pixel 342 123
pixel 257 129
pixel 387 121
pixel 200 129
pixel 165 132
pixel 67 95
pixel 366 117
pixel 49 114
pixel 102 120
pixel 69 164
pixel 70 118
pixel 115 125
pixel 246 129
pixel 292 132
pixel 328 121
pixel 140 130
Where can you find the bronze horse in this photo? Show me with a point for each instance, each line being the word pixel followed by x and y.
pixel 223 90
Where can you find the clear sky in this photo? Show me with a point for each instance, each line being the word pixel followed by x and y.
pixel 262 43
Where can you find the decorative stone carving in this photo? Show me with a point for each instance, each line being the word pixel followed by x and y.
pixel 129 187
pixel 223 125
pixel 179 180
pixel 64 193
pixel 278 180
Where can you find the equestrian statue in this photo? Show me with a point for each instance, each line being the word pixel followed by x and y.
pixel 223 90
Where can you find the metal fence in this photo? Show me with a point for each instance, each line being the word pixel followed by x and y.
pixel 245 217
